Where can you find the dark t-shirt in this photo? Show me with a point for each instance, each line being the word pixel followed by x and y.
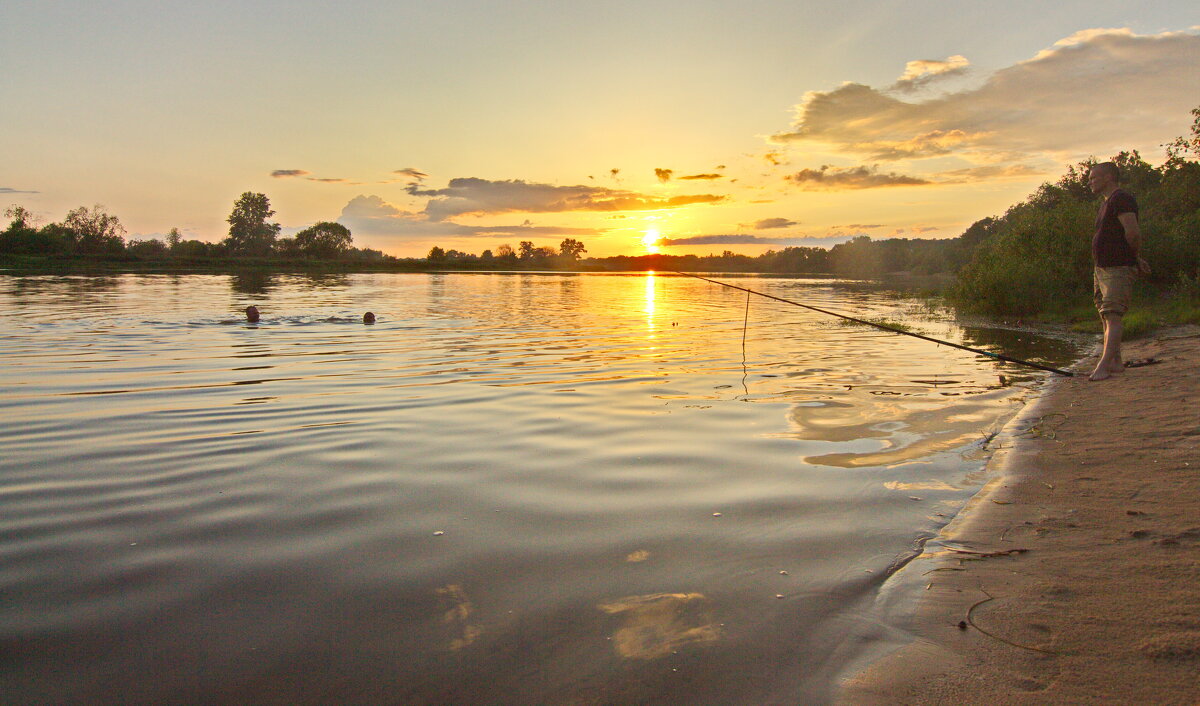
pixel 1109 246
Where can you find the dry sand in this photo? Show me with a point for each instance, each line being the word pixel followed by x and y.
pixel 1101 489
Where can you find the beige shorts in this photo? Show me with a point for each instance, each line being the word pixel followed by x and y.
pixel 1112 288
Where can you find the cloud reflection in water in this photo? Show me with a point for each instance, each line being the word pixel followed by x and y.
pixel 659 623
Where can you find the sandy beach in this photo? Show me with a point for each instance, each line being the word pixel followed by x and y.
pixel 1075 576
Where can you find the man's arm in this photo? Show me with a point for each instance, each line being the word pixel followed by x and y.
pixel 1133 236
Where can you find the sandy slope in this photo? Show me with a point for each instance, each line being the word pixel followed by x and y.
pixel 1103 491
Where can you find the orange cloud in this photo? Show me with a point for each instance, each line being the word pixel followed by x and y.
pixel 829 178
pixel 482 196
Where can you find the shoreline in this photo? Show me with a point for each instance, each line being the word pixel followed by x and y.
pixel 1073 575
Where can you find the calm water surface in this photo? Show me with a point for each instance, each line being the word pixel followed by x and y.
pixel 513 488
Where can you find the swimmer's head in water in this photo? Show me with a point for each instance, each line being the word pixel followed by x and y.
pixel 252 314
pixel 368 318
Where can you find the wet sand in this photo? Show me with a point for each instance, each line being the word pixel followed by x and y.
pixel 1075 576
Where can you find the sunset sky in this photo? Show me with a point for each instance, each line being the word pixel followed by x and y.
pixel 699 126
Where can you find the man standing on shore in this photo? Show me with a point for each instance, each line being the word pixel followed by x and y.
pixel 1115 252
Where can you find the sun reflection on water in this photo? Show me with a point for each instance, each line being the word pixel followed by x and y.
pixel 649 303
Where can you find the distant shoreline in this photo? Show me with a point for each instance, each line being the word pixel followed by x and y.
pixel 92 264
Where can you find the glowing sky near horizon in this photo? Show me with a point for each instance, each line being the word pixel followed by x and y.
pixel 695 126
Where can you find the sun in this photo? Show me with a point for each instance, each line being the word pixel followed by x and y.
pixel 650 241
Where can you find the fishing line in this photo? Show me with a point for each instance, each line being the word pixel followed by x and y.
pixel 745 325
pixel 989 354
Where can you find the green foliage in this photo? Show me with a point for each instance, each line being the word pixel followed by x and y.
pixel 95 231
pixel 506 254
pixel 1181 146
pixel 147 249
pixel 890 323
pixel 1037 257
pixel 858 257
pixel 795 260
pixel 249 231
pixel 1138 322
pixel 325 240
pixel 1184 312
pixel 571 249
pixel 194 250
pixel 21 218
pixel 21 236
pixel 1186 288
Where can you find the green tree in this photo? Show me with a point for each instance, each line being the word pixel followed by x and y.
pixel 436 254
pixel 193 249
pixel 857 257
pixel 249 231
pixel 526 250
pixel 287 248
pixel 95 231
pixel 326 240
pixel 21 218
pixel 571 249
pixel 1178 148
pixel 173 239
pixel 152 249
pixel 21 236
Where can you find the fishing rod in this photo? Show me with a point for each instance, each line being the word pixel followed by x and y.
pixel 989 354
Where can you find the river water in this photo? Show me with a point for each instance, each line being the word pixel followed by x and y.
pixel 511 489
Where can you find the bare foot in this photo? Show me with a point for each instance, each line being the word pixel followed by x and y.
pixel 1117 367
pixel 1099 374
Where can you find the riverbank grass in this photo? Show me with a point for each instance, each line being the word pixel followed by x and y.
pixel 1144 316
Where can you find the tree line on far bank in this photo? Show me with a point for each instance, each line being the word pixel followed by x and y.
pixel 92 232
pixel 1035 256
pixel 95 233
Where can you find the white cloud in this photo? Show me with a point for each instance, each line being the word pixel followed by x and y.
pixel 922 72
pixel 1093 93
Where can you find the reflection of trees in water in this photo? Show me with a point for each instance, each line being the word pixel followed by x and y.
pixel 568 291
pixel 326 280
pixel 437 286
pixel 89 285
pixel 24 289
pixel 252 281
pixel 1021 344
